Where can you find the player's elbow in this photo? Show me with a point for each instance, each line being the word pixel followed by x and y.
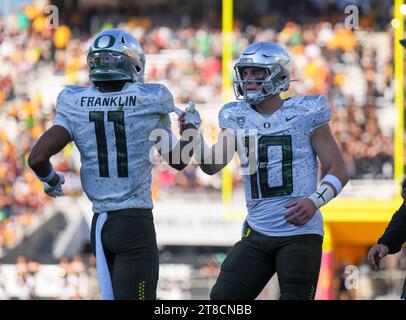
pixel 35 159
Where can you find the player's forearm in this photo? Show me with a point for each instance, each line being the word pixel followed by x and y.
pixel 49 144
pixel 331 184
pixel 214 159
pixel 43 168
pixel 39 164
pixel 338 170
pixel 182 153
pixel 38 160
pixel 179 162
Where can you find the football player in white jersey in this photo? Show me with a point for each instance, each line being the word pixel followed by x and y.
pixel 111 124
pixel 281 142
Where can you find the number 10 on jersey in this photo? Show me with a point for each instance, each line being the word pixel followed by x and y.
pixel 261 174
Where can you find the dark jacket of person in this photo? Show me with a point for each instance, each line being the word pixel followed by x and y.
pixel 395 233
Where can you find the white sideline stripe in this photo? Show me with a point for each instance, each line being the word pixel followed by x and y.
pixel 103 274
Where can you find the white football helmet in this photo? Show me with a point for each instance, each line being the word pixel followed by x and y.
pixel 115 55
pixel 277 63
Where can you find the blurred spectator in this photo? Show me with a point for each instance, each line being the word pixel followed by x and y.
pixel 211 269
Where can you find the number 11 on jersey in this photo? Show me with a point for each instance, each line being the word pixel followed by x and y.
pixel 117 117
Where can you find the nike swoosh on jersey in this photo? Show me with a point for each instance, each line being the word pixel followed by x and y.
pixel 289 118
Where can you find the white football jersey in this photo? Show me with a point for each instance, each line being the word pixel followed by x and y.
pixel 111 131
pixel 286 164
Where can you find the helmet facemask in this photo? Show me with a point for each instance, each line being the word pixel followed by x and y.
pixel 113 66
pixel 273 84
pixel 270 57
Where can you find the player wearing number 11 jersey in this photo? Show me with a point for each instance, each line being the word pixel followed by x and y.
pixel 111 124
pixel 283 231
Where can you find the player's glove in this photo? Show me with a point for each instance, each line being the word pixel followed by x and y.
pixel 192 116
pixel 56 190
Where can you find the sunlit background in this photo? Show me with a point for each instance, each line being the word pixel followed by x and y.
pixel 44 243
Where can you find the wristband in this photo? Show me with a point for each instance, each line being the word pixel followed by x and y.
pixel 322 195
pixel 334 181
pixel 49 177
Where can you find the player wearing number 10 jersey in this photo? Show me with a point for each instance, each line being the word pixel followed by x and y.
pixel 283 231
pixel 111 124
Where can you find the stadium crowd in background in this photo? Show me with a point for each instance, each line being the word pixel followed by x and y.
pixel 355 74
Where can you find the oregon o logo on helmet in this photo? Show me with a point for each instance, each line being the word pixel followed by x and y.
pixel 101 42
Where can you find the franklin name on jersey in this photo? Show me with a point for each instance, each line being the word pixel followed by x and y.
pixel 111 131
pixel 286 164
